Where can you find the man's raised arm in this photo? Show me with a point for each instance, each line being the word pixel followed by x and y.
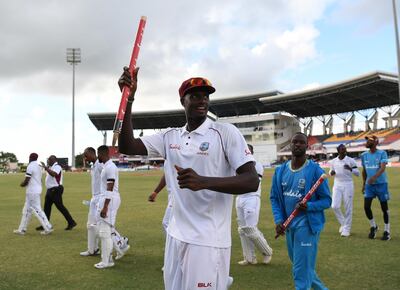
pixel 127 143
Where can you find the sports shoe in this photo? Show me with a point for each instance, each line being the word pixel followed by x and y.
pixel 340 229
pixel 386 236
pixel 46 232
pixel 122 252
pixel 345 234
pixel 18 232
pixel 230 281
pixel 70 226
pixel 39 228
pixel 267 259
pixel 102 265
pixel 372 232
pixel 87 253
pixel 246 262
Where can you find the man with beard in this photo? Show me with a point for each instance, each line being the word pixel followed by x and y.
pixel 375 184
pixel 291 182
pixel 207 163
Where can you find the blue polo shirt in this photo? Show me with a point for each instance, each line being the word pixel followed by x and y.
pixel 371 162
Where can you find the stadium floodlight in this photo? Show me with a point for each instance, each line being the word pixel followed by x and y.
pixel 73 58
pixel 396 30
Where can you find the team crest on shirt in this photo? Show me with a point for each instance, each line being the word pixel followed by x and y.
pixel 302 183
pixel 204 146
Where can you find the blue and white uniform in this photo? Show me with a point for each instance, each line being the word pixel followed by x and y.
pixel 371 163
pixel 288 188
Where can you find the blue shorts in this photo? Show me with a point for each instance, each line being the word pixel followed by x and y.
pixel 379 190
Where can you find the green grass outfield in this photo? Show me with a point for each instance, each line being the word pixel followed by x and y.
pixel 53 262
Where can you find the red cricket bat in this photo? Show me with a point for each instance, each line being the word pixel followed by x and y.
pixel 306 198
pixel 126 90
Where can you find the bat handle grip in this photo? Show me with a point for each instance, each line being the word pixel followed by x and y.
pixel 117 131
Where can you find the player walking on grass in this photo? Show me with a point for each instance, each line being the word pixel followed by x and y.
pixel 248 211
pixel 33 184
pixel 343 167
pixel 375 184
pixel 120 243
pixel 207 162
pixel 107 207
pixel 291 182
pixel 55 190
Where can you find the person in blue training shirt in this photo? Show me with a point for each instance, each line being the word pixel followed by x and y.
pixel 375 184
pixel 291 182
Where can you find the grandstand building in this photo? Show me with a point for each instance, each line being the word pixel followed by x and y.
pixel 268 120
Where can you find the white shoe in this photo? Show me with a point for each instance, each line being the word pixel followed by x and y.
pixel 345 234
pixel 267 259
pixel 340 229
pixel 87 253
pixel 18 232
pixel 46 232
pixel 122 252
pixel 102 265
pixel 230 281
pixel 246 262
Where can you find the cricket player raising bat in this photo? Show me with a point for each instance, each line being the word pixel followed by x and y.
pixel 207 163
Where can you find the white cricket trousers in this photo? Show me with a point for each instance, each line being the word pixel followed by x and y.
pixel 32 206
pixel 247 210
pixel 343 191
pixel 193 267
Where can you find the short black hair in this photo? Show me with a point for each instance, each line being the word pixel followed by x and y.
pixel 301 133
pixel 103 149
pixel 91 150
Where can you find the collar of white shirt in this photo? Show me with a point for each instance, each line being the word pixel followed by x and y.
pixel 201 130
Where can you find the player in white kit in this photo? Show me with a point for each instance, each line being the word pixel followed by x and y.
pixel 343 167
pixel 207 162
pixel 120 243
pixel 33 184
pixel 248 211
pixel 107 206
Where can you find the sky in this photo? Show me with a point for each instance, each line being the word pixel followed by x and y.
pixel 242 47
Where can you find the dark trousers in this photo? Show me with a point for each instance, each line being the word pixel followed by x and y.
pixel 54 195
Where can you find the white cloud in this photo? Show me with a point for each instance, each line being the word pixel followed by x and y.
pixel 241 46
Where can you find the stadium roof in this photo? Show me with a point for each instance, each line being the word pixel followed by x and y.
pixel 373 90
pixel 227 107
pixel 239 106
pixel 141 120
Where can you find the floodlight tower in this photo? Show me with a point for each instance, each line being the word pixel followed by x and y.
pixel 396 30
pixel 73 58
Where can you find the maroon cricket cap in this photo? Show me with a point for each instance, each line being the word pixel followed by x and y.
pixel 33 156
pixel 197 82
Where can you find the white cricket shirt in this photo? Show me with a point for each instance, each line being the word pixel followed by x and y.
pixel 54 181
pixel 344 175
pixel 34 171
pixel 201 217
pixel 109 173
pixel 95 173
